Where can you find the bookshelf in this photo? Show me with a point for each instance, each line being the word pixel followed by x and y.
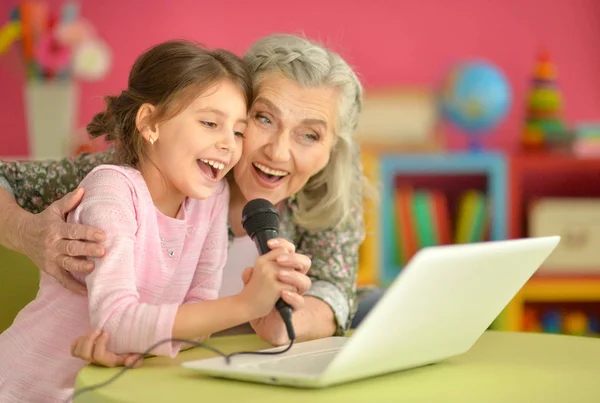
pixel 511 183
pixel 443 172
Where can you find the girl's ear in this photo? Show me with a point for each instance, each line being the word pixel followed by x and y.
pixel 142 122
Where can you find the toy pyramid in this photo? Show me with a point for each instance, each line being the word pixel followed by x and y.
pixel 543 121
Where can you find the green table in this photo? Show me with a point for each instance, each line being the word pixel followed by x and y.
pixel 501 367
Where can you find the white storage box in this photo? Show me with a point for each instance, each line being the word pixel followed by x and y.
pixel 577 221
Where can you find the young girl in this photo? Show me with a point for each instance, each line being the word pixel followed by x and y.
pixel 178 130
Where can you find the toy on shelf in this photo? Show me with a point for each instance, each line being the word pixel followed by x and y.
pixel 561 319
pixel 543 122
pixel 587 140
pixel 475 97
pixel 531 322
pixel 576 323
pixel 551 322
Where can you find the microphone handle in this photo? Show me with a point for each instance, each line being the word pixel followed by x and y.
pixel 260 239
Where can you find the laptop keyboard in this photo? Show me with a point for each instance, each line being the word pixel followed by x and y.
pixel 305 363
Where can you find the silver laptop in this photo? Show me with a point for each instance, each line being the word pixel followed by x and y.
pixel 437 308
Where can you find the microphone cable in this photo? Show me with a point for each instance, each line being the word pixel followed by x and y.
pixel 174 340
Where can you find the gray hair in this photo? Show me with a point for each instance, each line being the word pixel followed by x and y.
pixel 335 193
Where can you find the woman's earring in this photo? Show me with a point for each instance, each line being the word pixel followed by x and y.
pixel 151 140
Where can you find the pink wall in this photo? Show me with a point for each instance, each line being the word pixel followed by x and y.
pixel 389 42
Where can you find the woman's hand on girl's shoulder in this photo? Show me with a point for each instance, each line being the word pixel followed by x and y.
pixel 59 248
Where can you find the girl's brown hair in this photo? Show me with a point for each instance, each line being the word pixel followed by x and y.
pixel 169 76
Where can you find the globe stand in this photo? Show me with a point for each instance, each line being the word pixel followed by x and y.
pixel 475 144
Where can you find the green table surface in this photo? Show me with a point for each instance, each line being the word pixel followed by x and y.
pixel 501 367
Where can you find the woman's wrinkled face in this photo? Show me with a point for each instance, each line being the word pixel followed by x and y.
pixel 291 130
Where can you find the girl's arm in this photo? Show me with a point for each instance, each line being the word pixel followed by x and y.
pixel 114 301
pixel 113 298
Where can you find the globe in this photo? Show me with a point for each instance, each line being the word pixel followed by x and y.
pixel 475 97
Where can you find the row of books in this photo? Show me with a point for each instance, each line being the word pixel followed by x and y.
pixel 422 218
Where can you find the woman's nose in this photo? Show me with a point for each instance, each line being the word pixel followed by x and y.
pixel 278 149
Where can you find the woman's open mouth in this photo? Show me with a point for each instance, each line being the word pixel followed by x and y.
pixel 210 168
pixel 267 174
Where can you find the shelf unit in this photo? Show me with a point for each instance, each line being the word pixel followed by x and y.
pixel 549 175
pixel 511 182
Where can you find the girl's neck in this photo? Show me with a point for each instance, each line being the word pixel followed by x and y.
pixel 165 197
pixel 237 201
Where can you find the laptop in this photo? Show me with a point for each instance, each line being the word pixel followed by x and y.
pixel 437 308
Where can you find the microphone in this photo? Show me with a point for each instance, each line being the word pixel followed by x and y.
pixel 261 222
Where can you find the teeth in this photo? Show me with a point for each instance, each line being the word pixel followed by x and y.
pixel 270 171
pixel 215 164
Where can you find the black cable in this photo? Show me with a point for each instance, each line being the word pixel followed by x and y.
pixel 286 314
pixel 193 343
pixel 228 357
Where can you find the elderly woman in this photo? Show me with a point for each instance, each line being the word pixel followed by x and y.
pixel 298 153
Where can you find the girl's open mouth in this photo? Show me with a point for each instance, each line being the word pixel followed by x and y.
pixel 210 168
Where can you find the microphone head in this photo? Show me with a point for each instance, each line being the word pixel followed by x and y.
pixel 259 214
